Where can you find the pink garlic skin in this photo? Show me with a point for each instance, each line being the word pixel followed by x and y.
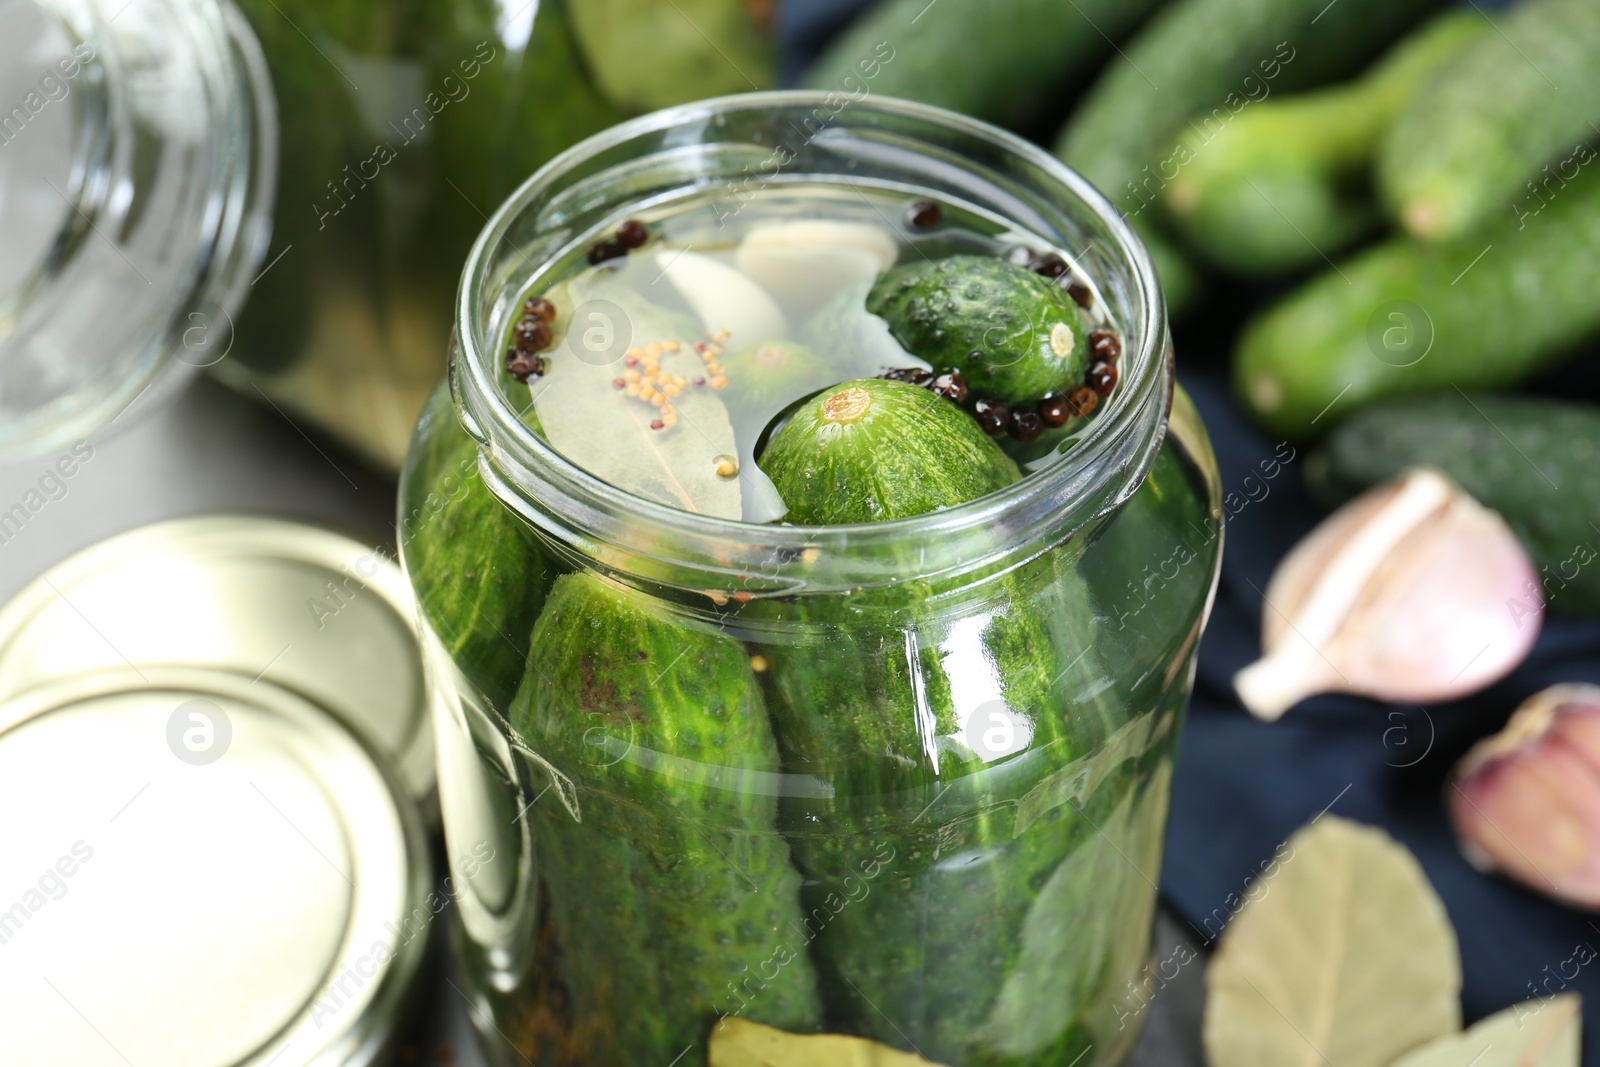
pixel 1526 802
pixel 1401 595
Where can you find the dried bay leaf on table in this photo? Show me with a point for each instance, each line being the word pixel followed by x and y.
pixel 607 433
pixel 738 1042
pixel 1344 958
pixel 1531 1034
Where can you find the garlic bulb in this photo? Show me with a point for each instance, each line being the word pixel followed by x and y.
pixel 1412 592
pixel 1526 801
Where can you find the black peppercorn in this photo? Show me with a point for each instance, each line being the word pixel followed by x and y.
pixel 952 386
pixel 1103 345
pixel 1079 292
pixel 539 308
pixel 994 418
pixel 1081 400
pixel 1102 378
pixel 632 234
pixel 925 214
pixel 532 334
pixel 522 364
pixel 1026 426
pixel 1053 410
pixel 920 378
pixel 601 251
pixel 1048 264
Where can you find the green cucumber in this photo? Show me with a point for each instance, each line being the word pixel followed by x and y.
pixel 1285 183
pixel 1531 459
pixel 1482 312
pixel 1014 335
pixel 1211 58
pixel 1002 61
pixel 1471 145
pixel 645 55
pixel 478 571
pixel 872 449
pixel 671 890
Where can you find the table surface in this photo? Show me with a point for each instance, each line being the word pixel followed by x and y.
pixel 211 450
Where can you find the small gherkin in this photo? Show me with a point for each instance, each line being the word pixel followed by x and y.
pixel 1013 335
pixel 671 891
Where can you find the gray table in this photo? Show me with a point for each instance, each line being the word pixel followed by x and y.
pixel 214 451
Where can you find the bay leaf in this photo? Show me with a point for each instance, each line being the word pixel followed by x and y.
pixel 1343 957
pixel 606 432
pixel 1535 1033
pixel 741 1043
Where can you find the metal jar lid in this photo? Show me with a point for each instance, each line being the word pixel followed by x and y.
pixel 308 609
pixel 199 870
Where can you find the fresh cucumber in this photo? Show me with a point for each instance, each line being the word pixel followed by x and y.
pixel 1211 58
pixel 1531 459
pixel 869 450
pixel 479 574
pixel 1285 183
pixel 1471 145
pixel 1015 336
pixel 670 888
pixel 1481 312
pixel 997 60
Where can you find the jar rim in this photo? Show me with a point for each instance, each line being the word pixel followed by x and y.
pixel 508 446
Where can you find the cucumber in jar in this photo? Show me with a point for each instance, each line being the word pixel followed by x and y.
pixel 672 894
pixel 479 575
pixel 926 902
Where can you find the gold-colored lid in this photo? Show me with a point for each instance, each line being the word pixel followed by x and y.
pixel 200 869
pixel 308 609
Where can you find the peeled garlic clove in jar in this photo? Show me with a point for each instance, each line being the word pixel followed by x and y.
pixel 1412 592
pixel 1526 802
pixel 804 262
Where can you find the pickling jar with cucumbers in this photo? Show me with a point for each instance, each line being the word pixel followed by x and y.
pixel 812 545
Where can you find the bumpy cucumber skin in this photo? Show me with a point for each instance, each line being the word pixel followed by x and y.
pixel 1531 459
pixel 675 888
pixel 995 322
pixel 934 951
pixel 1000 60
pixel 478 573
pixel 1464 149
pixel 1285 182
pixel 1308 361
pixel 1195 55
pixel 908 453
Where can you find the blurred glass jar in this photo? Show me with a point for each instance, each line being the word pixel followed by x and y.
pixel 905 781
pixel 138 192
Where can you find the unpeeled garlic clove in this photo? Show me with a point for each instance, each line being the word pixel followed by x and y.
pixel 1413 592
pixel 1526 802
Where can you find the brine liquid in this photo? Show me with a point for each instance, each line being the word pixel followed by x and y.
pixel 669 362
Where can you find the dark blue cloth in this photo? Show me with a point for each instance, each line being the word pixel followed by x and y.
pixel 1243 786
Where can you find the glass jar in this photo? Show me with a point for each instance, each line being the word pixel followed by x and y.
pixel 322 165
pixel 905 781
pixel 403 126
pixel 137 156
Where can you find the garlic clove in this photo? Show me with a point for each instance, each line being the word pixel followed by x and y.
pixel 805 262
pixel 1413 592
pixel 1526 802
pixel 731 307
